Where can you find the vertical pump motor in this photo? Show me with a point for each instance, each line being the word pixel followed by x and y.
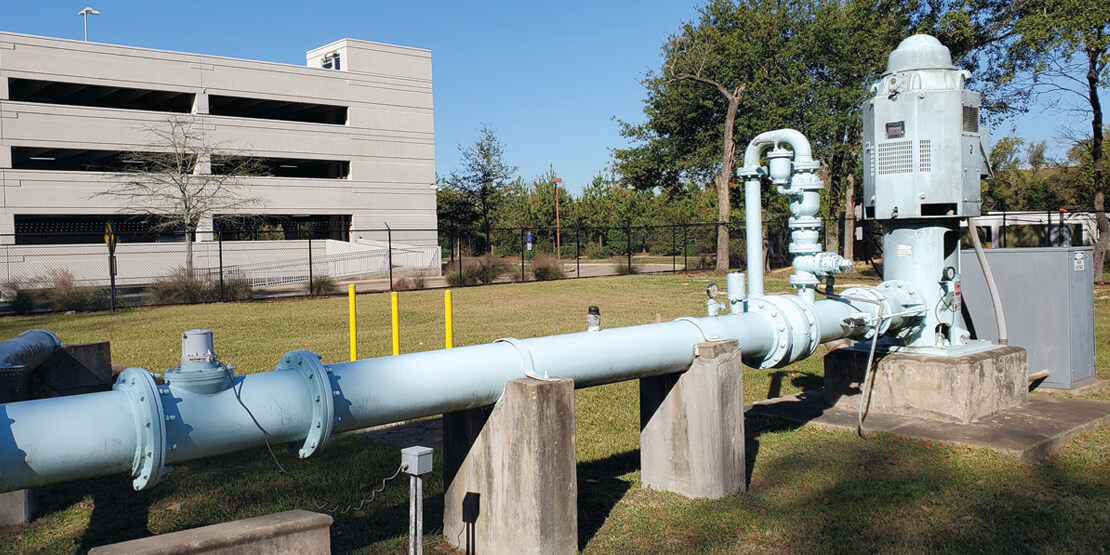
pixel 923 155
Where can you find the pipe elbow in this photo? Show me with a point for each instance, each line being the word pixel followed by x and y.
pixel 803 153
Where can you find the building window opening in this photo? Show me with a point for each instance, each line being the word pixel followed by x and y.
pixel 79 94
pixel 281 228
pixel 282 110
pixel 283 167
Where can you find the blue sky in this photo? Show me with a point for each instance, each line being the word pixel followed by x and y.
pixel 547 77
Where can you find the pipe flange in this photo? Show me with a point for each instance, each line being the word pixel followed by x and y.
pixel 801 319
pixel 149 466
pixel 320 390
pixel 913 298
pixel 779 327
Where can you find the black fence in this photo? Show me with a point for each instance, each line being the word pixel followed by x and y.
pixel 75 271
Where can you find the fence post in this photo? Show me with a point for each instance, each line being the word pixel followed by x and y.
pixel 628 236
pixel 311 290
pixel 220 249
pixel 685 247
pixel 389 253
pixel 674 249
pixel 523 241
pixel 577 251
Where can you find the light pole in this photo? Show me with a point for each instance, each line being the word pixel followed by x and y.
pixel 85 13
pixel 558 246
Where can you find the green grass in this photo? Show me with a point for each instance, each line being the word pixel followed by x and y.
pixel 810 490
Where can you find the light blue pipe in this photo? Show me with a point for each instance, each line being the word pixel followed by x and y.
pixel 143 428
pixel 31 348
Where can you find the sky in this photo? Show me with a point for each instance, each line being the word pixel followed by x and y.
pixel 548 78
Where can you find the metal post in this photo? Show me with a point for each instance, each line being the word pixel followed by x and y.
pixel 389 254
pixel 413 519
pixel 577 252
pixel 311 291
pixel 685 247
pixel 522 249
pixel 220 249
pixel 674 249
pixel 629 237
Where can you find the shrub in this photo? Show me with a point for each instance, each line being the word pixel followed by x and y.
pixel 21 299
pixel 594 250
pixel 322 284
pixel 469 275
pixel 181 287
pixel 546 267
pixel 408 283
pixel 237 288
pixel 624 269
pixel 490 268
pixel 62 293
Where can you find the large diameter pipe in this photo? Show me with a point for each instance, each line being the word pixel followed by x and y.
pixel 145 428
pixel 31 348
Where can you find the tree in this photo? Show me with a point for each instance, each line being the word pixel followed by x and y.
pixel 182 178
pixel 716 71
pixel 1054 51
pixel 483 175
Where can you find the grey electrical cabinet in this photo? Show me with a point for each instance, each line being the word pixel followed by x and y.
pixel 1048 299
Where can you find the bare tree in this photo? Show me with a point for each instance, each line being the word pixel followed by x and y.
pixel 689 59
pixel 182 177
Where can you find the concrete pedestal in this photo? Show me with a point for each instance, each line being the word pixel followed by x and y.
pixel 294 532
pixel 951 389
pixel 510 480
pixel 692 425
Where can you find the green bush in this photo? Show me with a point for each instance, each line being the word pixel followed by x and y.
pixel 237 289
pixel 322 284
pixel 594 250
pixel 181 287
pixel 547 268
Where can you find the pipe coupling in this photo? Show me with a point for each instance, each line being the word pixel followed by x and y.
pixel 148 466
pixel 321 394
pixel 793 325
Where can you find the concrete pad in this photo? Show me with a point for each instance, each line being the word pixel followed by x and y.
pixel 17 507
pixel 1032 431
pixel 291 532
pixel 961 388
pixel 1092 387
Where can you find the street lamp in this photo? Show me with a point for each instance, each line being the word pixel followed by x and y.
pixel 85 13
pixel 558 245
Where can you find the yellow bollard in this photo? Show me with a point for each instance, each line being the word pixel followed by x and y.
pixel 351 318
pixel 447 318
pixel 396 335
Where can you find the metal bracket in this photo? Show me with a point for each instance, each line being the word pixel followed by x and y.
pixel 148 466
pixel 694 321
pixel 526 359
pixel 320 390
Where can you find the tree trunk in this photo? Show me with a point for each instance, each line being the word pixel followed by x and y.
pixel 723 203
pixel 850 218
pixel 189 254
pixel 1103 243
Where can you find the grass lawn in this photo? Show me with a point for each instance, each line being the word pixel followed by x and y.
pixel 809 490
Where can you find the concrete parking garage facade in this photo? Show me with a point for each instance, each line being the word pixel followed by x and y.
pixel 348 137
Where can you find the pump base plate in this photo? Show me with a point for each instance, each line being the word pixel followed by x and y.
pixel 1031 431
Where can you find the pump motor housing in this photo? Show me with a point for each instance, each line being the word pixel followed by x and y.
pixel 923 149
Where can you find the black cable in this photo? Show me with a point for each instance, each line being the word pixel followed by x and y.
pixel 265 434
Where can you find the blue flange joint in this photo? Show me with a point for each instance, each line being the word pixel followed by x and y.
pixel 148 466
pixel 319 388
